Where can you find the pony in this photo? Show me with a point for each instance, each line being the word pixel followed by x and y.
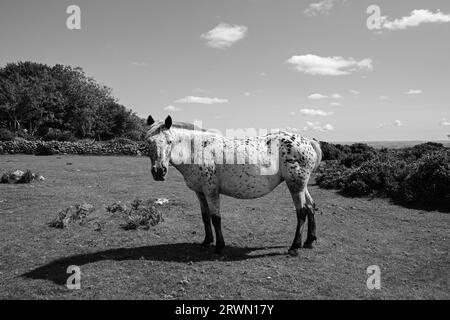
pixel 252 168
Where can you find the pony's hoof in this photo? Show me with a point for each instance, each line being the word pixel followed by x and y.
pixel 205 245
pixel 308 245
pixel 218 257
pixel 293 252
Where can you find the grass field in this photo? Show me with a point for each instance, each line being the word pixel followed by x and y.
pixel 410 246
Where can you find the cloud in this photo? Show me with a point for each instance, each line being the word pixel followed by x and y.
pixel 315 112
pixel 445 123
pixel 323 7
pixel 317 127
pixel 336 96
pixel 201 100
pixel 383 97
pixel 331 66
pixel 317 96
pixel 396 123
pixel 355 92
pixel 335 104
pixel 411 91
pixel 173 109
pixel 416 18
pixel 247 94
pixel 224 35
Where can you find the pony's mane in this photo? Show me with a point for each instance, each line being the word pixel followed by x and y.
pixel 187 126
pixel 156 128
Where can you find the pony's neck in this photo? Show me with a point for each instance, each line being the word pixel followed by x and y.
pixel 187 145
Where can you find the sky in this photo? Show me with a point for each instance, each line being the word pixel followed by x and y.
pixel 327 69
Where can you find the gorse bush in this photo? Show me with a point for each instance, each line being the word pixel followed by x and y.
pixel 6 135
pixel 58 135
pixel 44 150
pixel 419 175
pixel 375 176
pixel 428 181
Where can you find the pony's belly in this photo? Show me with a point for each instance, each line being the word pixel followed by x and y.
pixel 247 183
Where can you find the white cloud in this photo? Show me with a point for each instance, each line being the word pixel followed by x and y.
pixel 396 123
pixel 323 7
pixel 333 66
pixel 383 97
pixel 355 92
pixel 412 91
pixel 416 18
pixel 224 35
pixel 247 94
pixel 445 123
pixel 335 104
pixel 201 100
pixel 317 96
pixel 173 109
pixel 336 96
pixel 315 112
pixel 317 127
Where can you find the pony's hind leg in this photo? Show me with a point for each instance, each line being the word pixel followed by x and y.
pixel 209 238
pixel 214 210
pixel 310 208
pixel 299 199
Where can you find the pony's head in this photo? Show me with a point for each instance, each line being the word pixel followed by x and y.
pixel 160 140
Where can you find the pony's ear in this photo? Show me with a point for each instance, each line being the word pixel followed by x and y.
pixel 150 120
pixel 168 122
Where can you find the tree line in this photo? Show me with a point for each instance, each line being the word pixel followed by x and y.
pixel 61 102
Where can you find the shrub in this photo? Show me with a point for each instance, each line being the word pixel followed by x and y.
pixel 330 151
pixel 142 214
pixel 6 135
pixel 44 150
pixel 58 135
pixel 77 213
pixel 135 135
pixel 27 177
pixel 122 141
pixel 332 175
pixel 428 183
pixel 420 150
pixel 375 176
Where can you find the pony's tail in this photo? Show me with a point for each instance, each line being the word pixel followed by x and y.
pixel 316 146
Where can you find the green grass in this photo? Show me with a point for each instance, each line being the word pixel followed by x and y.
pixel 164 262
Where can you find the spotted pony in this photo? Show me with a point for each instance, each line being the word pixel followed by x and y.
pixel 247 168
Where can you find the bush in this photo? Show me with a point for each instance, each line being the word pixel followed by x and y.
pixel 375 176
pixel 330 151
pixel 58 135
pixel 44 150
pixel 6 135
pixel 420 150
pixel 121 140
pixel 142 214
pixel 428 183
pixel 135 135
pixel 332 175
pixel 416 176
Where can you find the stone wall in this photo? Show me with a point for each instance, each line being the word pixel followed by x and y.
pixel 87 148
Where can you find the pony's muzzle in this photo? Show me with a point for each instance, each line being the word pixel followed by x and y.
pixel 159 173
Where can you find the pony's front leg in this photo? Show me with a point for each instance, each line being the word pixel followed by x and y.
pixel 209 238
pixel 214 210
